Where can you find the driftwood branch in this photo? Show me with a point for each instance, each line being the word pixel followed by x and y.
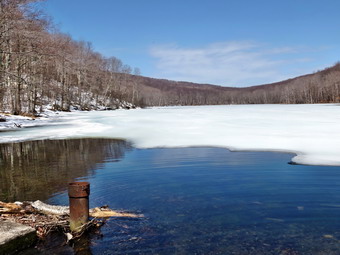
pixel 98 212
pixel 10 207
pixel 50 209
pixel 41 207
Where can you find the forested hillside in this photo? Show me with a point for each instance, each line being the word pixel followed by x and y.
pixel 41 66
pixel 319 87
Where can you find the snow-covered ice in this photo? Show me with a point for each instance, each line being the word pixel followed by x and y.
pixel 310 131
pixel 16 121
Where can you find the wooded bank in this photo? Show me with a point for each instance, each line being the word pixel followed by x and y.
pixel 40 65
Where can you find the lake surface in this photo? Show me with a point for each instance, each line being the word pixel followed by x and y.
pixel 196 200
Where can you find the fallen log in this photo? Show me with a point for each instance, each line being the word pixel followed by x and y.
pixel 50 209
pixel 103 212
pixel 98 212
pixel 41 207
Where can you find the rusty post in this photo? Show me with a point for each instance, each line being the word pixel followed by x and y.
pixel 78 193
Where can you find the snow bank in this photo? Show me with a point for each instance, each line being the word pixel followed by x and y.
pixel 13 122
pixel 310 131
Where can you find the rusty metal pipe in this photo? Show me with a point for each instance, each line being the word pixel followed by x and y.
pixel 78 193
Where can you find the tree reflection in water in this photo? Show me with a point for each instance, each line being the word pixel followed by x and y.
pixel 37 169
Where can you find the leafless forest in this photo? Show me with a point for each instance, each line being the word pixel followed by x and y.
pixel 43 66
pixel 40 65
pixel 320 87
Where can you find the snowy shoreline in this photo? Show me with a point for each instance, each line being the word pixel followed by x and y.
pixel 309 131
pixel 15 122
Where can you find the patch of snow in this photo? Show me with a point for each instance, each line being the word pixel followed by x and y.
pixel 14 122
pixel 310 131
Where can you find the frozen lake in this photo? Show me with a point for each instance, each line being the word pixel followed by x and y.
pixel 310 131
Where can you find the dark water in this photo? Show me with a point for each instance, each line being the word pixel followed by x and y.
pixel 38 169
pixel 196 200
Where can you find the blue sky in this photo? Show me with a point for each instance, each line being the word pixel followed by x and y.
pixel 229 43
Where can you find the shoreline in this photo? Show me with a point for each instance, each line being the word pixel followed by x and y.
pixel 16 122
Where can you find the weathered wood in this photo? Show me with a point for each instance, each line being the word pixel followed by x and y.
pixel 50 209
pixel 41 207
pixel 99 212
pixel 10 207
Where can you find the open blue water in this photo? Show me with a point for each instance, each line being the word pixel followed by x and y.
pixel 203 201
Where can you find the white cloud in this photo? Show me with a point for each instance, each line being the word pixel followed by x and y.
pixel 236 63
